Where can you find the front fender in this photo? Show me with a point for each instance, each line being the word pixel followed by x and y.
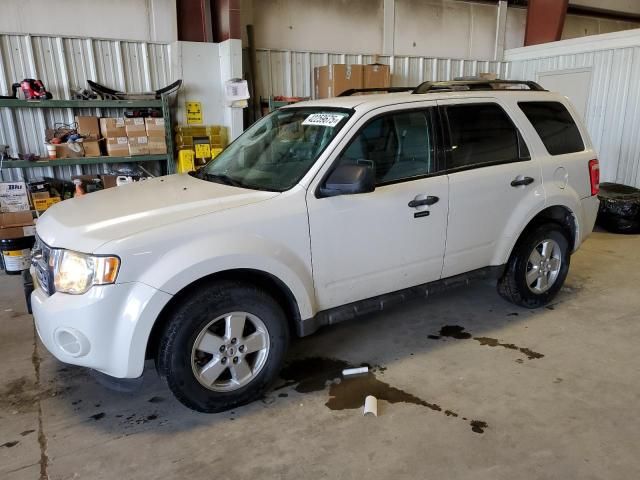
pixel 198 258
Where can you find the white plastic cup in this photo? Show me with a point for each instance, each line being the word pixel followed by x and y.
pixel 370 406
pixel 51 151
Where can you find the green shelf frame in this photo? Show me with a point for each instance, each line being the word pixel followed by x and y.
pixel 162 103
pixel 62 162
pixel 19 103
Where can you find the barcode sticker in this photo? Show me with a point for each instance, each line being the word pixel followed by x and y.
pixel 324 119
pixel 142 140
pixel 119 122
pixel 138 121
pixel 122 140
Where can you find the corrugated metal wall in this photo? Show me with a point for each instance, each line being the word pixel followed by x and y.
pixel 63 63
pixel 613 109
pixel 290 73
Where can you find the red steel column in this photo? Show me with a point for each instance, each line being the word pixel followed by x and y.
pixel 226 20
pixel 545 20
pixel 194 20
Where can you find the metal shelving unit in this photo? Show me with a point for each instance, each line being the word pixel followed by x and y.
pixel 161 103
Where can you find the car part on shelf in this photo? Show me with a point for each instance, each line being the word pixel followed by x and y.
pixel 33 89
pixel 14 92
pixel 107 93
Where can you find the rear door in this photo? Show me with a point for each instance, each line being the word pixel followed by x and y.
pixel 493 183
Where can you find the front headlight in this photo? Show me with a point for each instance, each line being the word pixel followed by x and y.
pixel 76 273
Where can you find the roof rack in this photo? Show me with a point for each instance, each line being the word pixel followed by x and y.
pixel 449 86
pixel 353 91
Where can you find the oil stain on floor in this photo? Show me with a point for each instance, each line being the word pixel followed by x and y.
pixel 458 332
pixel 314 373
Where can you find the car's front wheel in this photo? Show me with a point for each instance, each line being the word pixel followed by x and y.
pixel 223 346
pixel 537 268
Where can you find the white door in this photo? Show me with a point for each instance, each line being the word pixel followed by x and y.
pixel 574 83
pixel 368 244
pixel 493 184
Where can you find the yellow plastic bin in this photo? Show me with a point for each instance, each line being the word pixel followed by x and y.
pixel 186 161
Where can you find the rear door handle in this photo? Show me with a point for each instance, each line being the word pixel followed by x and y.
pixel 419 202
pixel 521 181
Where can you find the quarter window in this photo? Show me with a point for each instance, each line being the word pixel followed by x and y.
pixel 399 145
pixel 482 134
pixel 554 124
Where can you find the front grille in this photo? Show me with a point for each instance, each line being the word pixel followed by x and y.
pixel 40 259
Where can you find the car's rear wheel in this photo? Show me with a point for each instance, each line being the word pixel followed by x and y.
pixel 223 346
pixel 537 268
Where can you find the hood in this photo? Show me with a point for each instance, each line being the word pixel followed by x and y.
pixel 85 223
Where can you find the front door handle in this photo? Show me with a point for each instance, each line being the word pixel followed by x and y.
pixel 420 202
pixel 521 181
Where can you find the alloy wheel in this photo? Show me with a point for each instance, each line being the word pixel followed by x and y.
pixel 230 351
pixel 543 266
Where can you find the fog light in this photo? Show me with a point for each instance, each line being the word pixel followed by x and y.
pixel 71 342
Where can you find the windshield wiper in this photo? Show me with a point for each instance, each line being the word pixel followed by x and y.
pixel 221 178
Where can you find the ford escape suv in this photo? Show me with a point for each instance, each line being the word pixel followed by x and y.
pixel 319 212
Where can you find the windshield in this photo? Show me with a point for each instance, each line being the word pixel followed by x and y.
pixel 276 152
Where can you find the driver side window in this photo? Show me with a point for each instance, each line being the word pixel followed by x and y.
pixel 399 145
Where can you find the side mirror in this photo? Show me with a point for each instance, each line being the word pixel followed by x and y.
pixel 350 180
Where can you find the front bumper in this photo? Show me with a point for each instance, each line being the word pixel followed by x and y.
pixel 106 329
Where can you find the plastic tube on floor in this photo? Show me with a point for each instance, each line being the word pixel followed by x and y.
pixel 370 406
pixel 354 371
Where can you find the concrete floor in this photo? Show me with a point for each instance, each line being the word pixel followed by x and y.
pixel 573 412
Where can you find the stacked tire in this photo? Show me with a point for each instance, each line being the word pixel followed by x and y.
pixel 619 208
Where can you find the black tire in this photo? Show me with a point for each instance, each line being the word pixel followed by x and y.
pixel 192 316
pixel 513 285
pixel 619 210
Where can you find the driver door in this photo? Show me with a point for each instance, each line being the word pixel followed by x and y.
pixel 368 244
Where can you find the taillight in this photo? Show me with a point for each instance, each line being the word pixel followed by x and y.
pixel 594 176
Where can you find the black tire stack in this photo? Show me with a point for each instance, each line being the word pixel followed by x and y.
pixel 619 208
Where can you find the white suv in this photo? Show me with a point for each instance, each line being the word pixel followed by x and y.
pixel 319 212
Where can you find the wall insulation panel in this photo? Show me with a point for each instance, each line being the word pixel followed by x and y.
pixel 290 73
pixel 63 63
pixel 613 107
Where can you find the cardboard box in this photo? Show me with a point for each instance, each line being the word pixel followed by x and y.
pixel 157 146
pixel 14 197
pixel 376 76
pixel 154 127
pixel 16 225
pixel 88 126
pixel 118 147
pixel 112 127
pixel 40 195
pixel 332 80
pixel 70 150
pixel 41 204
pixel 64 150
pixel 91 148
pixel 135 127
pixel 139 145
pixel 109 181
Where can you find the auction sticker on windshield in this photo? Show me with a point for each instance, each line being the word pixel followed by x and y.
pixel 324 119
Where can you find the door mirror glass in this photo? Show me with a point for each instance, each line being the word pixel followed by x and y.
pixel 350 179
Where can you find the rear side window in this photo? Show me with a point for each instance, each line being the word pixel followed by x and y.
pixel 482 134
pixel 554 124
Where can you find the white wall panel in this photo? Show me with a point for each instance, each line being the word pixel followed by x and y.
pixel 63 63
pixel 613 109
pixel 290 73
